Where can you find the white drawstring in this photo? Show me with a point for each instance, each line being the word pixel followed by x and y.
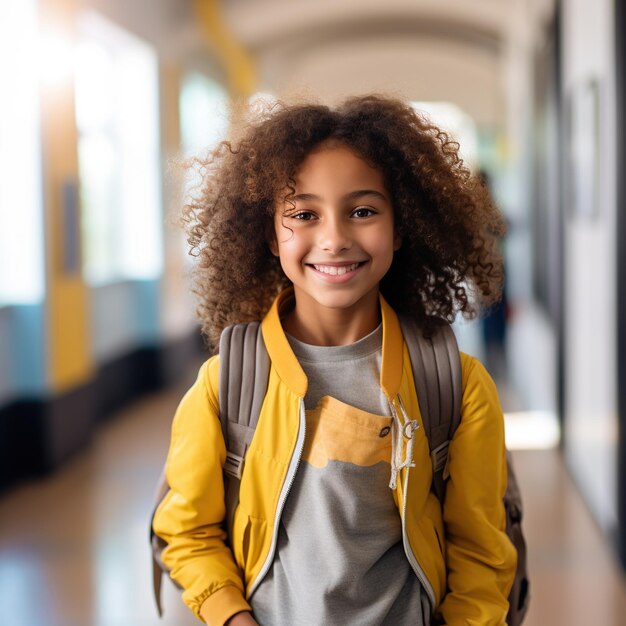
pixel 399 429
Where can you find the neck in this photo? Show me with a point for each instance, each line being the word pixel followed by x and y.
pixel 333 326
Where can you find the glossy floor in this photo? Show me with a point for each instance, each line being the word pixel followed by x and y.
pixel 74 552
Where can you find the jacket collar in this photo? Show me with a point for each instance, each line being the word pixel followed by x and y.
pixel 288 368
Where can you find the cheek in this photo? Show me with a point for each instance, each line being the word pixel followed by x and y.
pixel 285 240
pixel 383 245
pixel 291 246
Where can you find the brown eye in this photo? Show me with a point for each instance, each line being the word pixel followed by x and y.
pixel 363 212
pixel 304 216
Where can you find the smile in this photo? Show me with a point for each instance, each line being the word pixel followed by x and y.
pixel 336 270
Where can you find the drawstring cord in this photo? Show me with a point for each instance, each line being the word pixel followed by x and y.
pixel 401 428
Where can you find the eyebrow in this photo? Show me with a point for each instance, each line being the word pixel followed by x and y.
pixel 353 195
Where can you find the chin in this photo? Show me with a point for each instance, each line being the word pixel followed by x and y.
pixel 338 302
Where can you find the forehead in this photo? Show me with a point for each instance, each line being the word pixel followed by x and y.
pixel 337 167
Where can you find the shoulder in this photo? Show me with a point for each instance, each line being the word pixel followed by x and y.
pixel 201 396
pixel 210 371
pixel 474 373
pixel 480 401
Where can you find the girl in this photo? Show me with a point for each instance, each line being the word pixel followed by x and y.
pixel 324 223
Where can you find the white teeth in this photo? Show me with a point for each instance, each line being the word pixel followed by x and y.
pixel 335 270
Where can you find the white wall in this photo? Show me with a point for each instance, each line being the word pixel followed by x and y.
pixel 590 261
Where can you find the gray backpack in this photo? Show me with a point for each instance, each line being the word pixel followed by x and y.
pixel 436 365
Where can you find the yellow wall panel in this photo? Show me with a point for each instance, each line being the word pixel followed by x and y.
pixel 69 362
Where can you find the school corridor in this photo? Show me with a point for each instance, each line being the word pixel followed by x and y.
pixel 105 104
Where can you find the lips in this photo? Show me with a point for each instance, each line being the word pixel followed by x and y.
pixel 336 270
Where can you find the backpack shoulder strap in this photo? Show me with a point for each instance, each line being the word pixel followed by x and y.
pixel 436 366
pixel 243 376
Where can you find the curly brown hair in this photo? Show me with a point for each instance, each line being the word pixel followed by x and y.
pixel 449 261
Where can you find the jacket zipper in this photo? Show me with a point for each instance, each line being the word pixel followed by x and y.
pixel 419 572
pixel 291 474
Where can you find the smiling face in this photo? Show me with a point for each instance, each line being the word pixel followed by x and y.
pixel 338 242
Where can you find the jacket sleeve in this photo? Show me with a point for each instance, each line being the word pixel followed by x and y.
pixel 480 558
pixel 190 517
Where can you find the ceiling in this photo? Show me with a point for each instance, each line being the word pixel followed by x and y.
pixel 440 50
pixel 421 50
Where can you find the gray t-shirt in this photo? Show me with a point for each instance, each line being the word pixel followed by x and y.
pixel 339 558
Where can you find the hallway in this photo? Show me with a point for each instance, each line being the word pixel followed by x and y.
pixel 74 549
pixel 105 101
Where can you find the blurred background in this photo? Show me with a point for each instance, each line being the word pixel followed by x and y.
pixel 99 103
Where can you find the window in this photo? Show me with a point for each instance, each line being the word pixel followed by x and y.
pixel 118 153
pixel 21 214
pixel 203 114
pixel 204 119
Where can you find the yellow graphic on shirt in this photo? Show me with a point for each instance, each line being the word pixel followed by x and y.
pixel 339 432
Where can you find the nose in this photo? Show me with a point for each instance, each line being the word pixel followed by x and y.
pixel 334 236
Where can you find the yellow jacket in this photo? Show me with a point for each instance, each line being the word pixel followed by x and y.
pixel 467 570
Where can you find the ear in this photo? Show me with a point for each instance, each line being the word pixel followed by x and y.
pixel 397 243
